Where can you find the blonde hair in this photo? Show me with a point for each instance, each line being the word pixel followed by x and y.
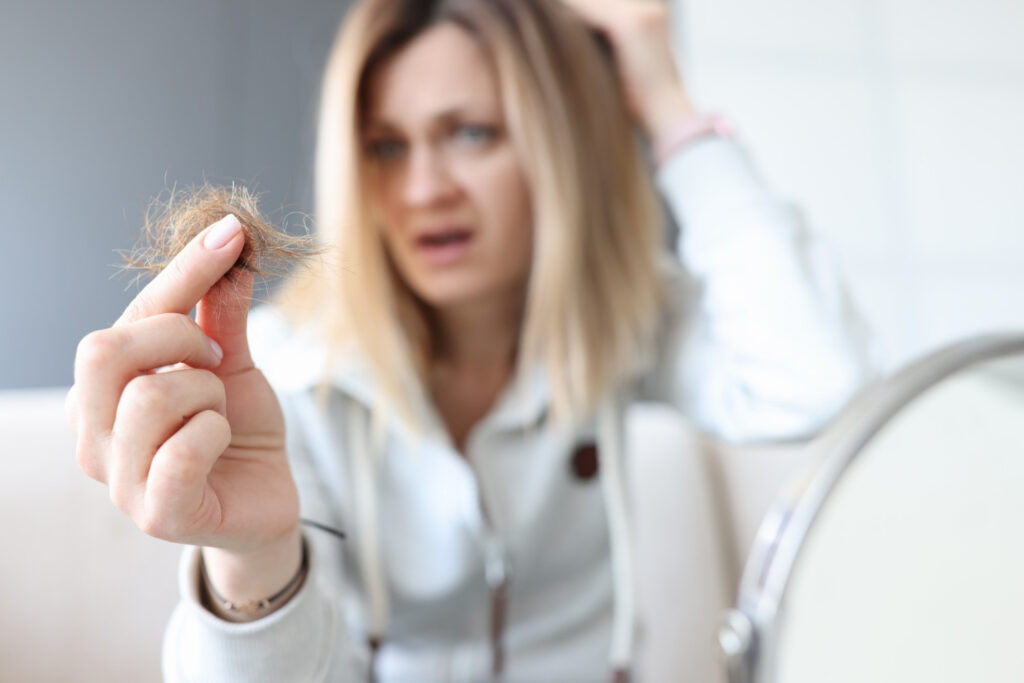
pixel 594 289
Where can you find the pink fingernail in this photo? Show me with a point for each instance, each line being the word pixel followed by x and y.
pixel 217 351
pixel 221 232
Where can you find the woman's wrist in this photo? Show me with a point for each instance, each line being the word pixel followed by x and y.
pixel 663 110
pixel 250 579
pixel 686 131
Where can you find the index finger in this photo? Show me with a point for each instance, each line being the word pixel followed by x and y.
pixel 191 274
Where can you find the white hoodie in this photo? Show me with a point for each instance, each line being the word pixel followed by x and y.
pixel 759 343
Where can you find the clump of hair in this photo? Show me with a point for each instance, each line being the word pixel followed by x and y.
pixel 173 219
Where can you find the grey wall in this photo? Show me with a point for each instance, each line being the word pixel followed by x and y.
pixel 105 103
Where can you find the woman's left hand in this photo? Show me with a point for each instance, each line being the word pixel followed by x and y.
pixel 638 31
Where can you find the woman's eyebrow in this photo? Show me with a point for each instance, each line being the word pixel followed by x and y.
pixel 460 112
pixel 447 115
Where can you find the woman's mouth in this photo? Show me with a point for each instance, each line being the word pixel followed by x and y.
pixel 444 246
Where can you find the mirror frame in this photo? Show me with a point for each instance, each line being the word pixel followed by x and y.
pixel 747 637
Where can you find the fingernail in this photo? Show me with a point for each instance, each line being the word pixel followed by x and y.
pixel 221 232
pixel 217 351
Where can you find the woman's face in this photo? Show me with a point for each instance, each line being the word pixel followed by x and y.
pixel 444 175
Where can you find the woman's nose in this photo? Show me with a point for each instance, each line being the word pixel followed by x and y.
pixel 428 179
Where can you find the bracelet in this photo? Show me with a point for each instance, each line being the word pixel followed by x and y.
pixel 254 609
pixel 688 131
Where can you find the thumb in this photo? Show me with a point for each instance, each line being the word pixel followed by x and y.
pixel 223 314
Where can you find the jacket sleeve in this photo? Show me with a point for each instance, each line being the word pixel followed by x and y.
pixel 305 640
pixel 760 341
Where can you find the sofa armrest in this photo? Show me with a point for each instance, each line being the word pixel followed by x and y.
pixel 86 594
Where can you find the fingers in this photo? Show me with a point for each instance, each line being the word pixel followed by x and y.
pixel 108 359
pixel 102 367
pixel 204 261
pixel 71 408
pixel 152 408
pixel 177 502
pixel 222 314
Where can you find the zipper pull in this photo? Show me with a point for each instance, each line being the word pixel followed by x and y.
pixel 495 563
pixel 496 575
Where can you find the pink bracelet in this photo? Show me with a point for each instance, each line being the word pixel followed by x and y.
pixel 688 131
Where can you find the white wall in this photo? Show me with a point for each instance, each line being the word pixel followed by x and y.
pixel 892 122
pixel 897 126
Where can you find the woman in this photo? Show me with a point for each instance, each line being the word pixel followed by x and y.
pixel 500 298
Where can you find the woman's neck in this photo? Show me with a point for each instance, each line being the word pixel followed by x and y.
pixel 480 335
pixel 476 345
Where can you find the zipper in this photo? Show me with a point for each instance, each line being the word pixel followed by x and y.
pixel 496 574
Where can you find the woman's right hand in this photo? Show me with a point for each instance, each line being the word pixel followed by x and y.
pixel 172 415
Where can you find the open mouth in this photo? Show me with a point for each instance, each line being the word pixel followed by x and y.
pixel 445 246
pixel 445 239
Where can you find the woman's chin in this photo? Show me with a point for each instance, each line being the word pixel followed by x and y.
pixel 457 290
pixel 450 297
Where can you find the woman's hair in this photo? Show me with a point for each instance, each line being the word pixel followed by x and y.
pixel 594 292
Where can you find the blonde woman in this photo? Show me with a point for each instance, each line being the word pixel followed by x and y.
pixel 453 380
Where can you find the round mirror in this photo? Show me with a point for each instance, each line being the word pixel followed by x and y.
pixel 901 556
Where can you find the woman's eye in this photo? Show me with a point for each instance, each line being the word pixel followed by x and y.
pixel 476 134
pixel 385 150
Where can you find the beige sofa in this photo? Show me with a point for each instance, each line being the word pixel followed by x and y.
pixel 86 595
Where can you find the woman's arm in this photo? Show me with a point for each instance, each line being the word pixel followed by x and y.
pixel 762 341
pixel 174 417
pixel 639 33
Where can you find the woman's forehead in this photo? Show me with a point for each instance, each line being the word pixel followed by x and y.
pixel 442 72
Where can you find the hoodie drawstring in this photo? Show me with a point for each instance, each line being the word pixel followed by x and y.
pixel 370 553
pixel 613 484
